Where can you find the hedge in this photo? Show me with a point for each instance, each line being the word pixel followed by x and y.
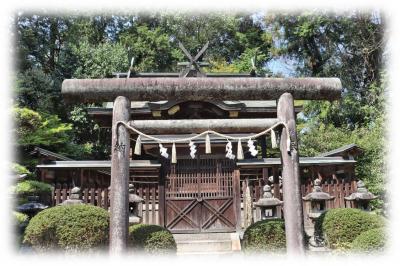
pixel 20 221
pixel 151 239
pixel 68 228
pixel 27 188
pixel 265 236
pixel 339 227
pixel 370 241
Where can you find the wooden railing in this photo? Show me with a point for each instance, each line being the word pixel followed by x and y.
pixel 100 197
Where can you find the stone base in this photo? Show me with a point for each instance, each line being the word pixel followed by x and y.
pixel 133 220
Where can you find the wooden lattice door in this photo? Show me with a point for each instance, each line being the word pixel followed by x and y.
pixel 199 196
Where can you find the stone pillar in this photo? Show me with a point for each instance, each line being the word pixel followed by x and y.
pixel 293 207
pixel 119 198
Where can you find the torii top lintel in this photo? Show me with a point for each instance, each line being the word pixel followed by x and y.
pixel 200 88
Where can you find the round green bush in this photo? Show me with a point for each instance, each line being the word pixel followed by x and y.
pixel 339 227
pixel 151 238
pixel 370 241
pixel 68 228
pixel 265 236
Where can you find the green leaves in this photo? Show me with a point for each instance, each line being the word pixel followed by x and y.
pixel 69 228
pixel 341 226
pixel 34 129
pixel 32 187
pixel 373 240
pixel 100 61
pixel 151 48
pixel 265 236
pixel 151 239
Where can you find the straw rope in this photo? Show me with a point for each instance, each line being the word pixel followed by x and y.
pixel 188 139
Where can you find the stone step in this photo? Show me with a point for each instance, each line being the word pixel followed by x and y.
pixel 204 245
pixel 202 236
pixel 207 243
pixel 207 253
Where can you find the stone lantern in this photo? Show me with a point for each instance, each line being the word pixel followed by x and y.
pixel 317 200
pixel 32 207
pixel 361 197
pixel 74 197
pixel 268 207
pixel 135 206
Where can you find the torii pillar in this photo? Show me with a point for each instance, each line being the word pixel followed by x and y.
pixel 119 199
pixel 293 205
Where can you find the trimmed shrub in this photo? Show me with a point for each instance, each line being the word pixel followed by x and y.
pixel 265 236
pixel 370 241
pixel 27 188
pixel 20 221
pixel 69 228
pixel 20 218
pixel 339 227
pixel 151 238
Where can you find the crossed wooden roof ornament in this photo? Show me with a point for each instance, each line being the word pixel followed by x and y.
pixel 193 67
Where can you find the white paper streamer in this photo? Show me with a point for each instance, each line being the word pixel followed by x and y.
pixel 163 151
pixel 228 150
pixel 193 149
pixel 173 159
pixel 240 155
pixel 252 148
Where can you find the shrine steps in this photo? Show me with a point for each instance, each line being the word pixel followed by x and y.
pixel 207 243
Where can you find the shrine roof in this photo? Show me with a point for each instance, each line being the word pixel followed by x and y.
pixel 304 161
pixel 49 154
pixel 99 164
pixel 344 150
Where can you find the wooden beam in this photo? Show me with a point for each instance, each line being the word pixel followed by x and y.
pixel 200 125
pixel 275 174
pixel 119 178
pixel 293 205
pixel 200 89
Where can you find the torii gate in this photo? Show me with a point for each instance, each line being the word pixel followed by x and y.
pixel 157 87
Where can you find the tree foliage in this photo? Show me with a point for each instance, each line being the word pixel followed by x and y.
pixel 99 61
pixel 34 129
pixel 349 46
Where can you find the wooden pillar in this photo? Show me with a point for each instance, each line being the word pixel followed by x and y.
pixel 236 198
pixel 81 177
pixel 119 177
pixel 275 174
pixel 161 197
pixel 293 207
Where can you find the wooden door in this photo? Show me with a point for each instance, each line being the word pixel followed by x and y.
pixel 199 196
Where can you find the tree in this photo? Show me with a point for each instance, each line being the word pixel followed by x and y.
pixel 33 129
pixel 151 49
pixel 38 91
pixel 348 46
pixel 99 61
